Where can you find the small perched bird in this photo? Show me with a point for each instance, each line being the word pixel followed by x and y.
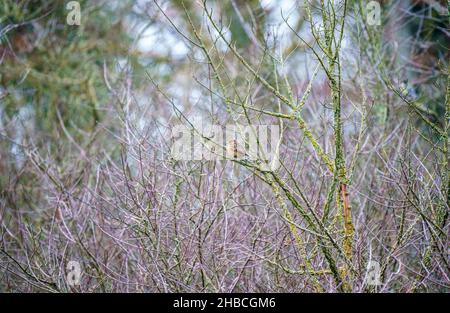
pixel 235 150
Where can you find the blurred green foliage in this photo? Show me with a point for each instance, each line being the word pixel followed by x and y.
pixel 55 67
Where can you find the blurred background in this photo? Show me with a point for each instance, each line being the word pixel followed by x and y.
pixel 86 113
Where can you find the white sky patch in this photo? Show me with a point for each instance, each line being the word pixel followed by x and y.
pixel 221 45
pixel 22 120
pixel 195 96
pixel 163 42
pixel 275 24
